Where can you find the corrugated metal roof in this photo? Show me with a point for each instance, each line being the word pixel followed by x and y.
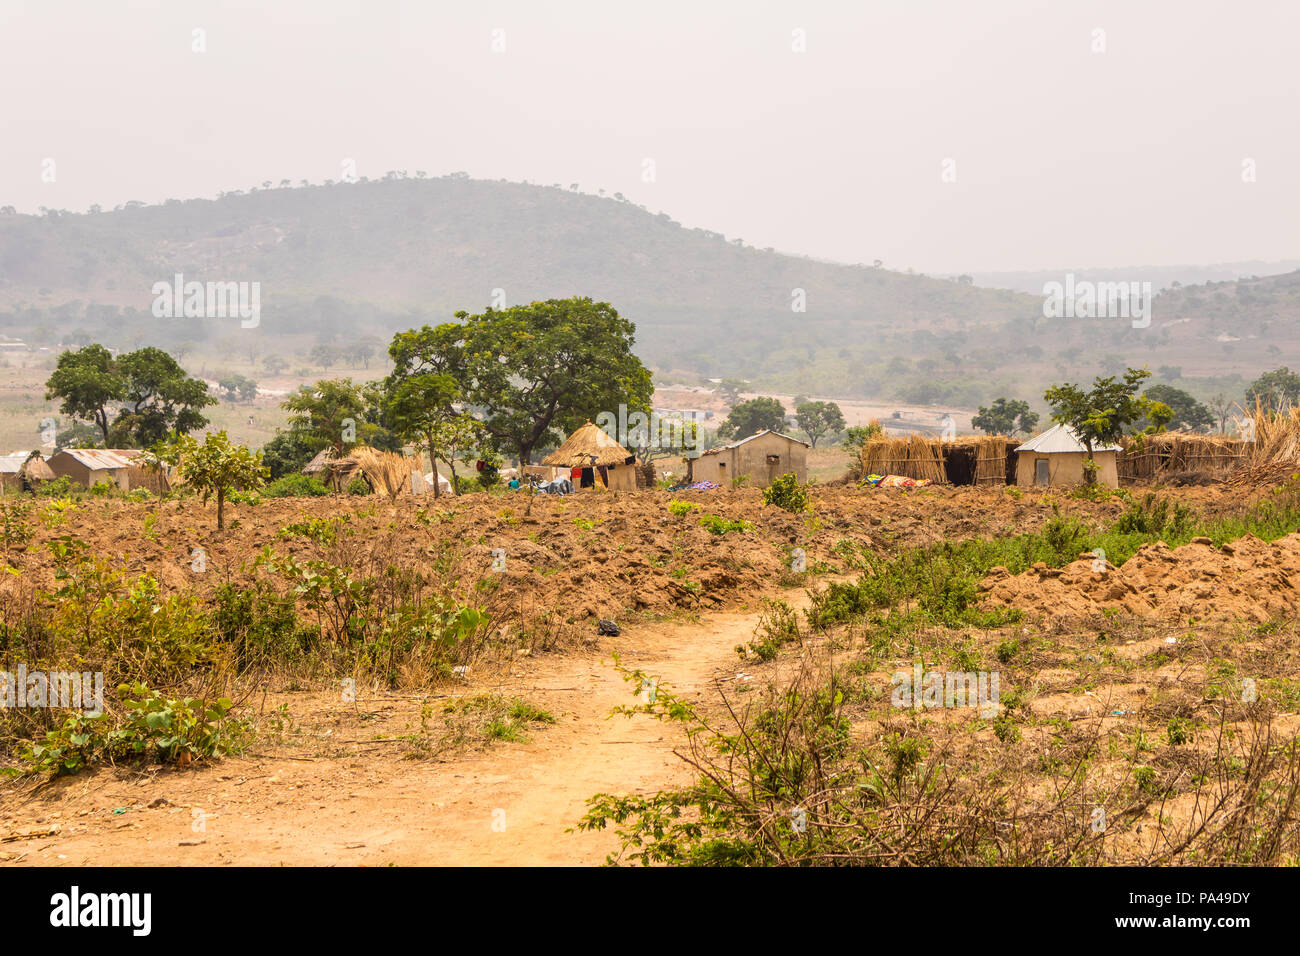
pixel 1060 439
pixel 10 464
pixel 98 459
pixel 765 431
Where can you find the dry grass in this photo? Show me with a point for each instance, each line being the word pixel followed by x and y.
pixel 981 457
pixel 388 472
pixel 1149 456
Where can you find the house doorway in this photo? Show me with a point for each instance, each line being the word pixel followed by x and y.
pixel 1042 471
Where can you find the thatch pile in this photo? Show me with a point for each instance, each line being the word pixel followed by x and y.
pixel 1274 455
pixel 35 469
pixel 387 471
pixel 968 460
pixel 331 470
pixel 1171 453
pixel 912 457
pixel 588 447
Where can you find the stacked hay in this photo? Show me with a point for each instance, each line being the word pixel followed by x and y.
pixel 991 454
pixel 1274 455
pixel 1173 453
pixel 911 457
pixel 388 472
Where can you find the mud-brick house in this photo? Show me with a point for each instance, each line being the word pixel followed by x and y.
pixel 1056 457
pixel 89 466
pixel 763 457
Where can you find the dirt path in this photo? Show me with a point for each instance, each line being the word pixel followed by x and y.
pixel 508 805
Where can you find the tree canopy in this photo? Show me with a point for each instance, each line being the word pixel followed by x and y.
pixel 1274 390
pixel 1005 417
pixel 819 419
pixel 1185 411
pixel 532 373
pixel 135 399
pixel 753 416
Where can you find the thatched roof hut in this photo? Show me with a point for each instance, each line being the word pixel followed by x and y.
pixel 333 472
pixel 602 462
pixel 587 447
pixel 36 468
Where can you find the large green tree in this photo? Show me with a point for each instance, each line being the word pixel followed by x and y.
pixel 1186 412
pixel 1005 417
pixel 135 399
pixel 818 419
pixel 753 416
pixel 532 373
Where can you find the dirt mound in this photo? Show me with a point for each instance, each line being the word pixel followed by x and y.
pixel 1248 579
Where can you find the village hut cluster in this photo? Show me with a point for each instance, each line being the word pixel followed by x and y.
pixel 123 467
pixel 1056 457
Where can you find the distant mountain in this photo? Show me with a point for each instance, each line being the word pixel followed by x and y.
pixel 345 261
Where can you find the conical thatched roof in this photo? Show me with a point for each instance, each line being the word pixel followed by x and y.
pixel 36 469
pixel 586 447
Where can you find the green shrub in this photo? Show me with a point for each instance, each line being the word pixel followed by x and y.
pixel 257 624
pixel 715 525
pixel 295 486
pixel 680 509
pixel 786 492
pixel 358 486
pixel 155 727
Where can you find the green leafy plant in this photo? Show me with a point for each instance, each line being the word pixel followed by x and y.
pixel 786 492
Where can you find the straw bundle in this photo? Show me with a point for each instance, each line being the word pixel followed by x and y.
pixel 1168 453
pixel 388 472
pixel 1275 453
pixel 970 459
pixel 911 457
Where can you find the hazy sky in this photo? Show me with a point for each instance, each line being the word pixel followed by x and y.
pixel 1063 157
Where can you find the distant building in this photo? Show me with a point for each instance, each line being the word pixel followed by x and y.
pixel 764 457
pixel 22 471
pixel 89 466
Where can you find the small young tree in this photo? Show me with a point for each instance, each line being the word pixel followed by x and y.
pixel 216 467
pixel 1099 416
